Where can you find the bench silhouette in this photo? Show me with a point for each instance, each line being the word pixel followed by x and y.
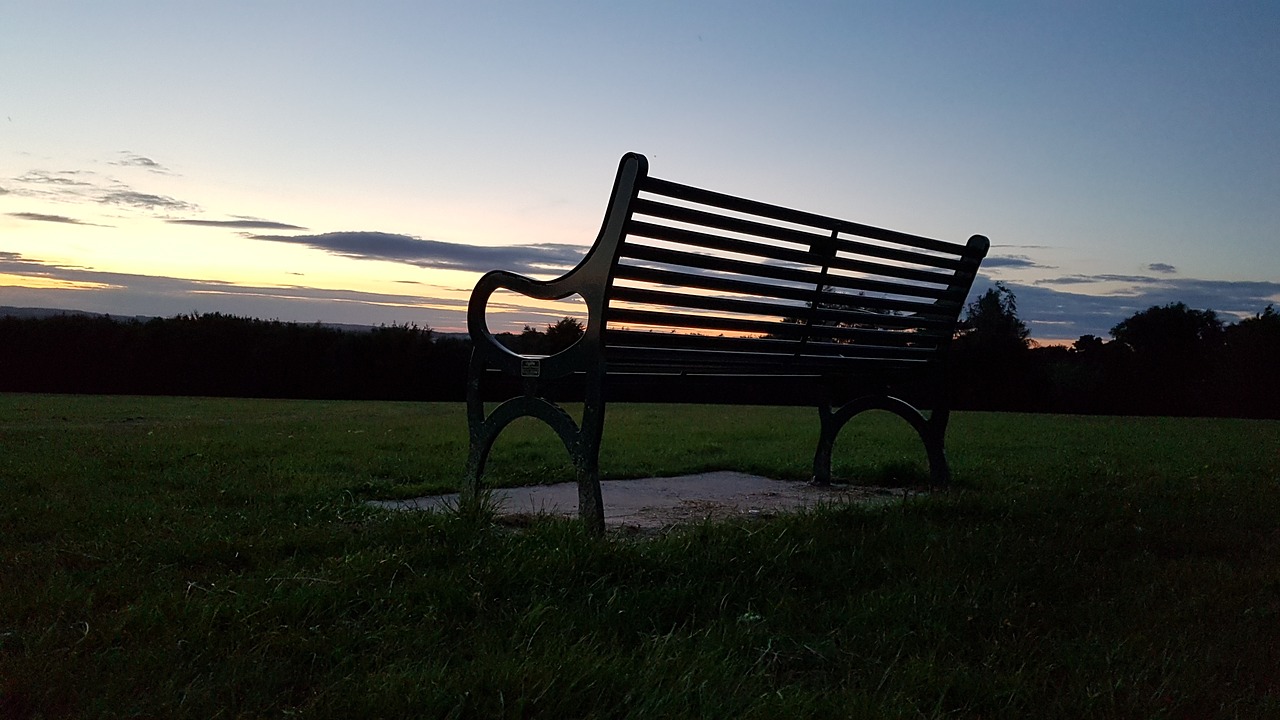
pixel 698 296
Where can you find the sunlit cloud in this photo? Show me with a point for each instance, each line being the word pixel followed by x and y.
pixel 39 282
pixel 437 254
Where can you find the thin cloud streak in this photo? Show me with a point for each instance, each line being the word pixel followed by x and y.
pixel 1100 278
pixel 146 201
pixel 132 159
pixel 81 186
pixel 42 217
pixel 65 178
pixel 436 254
pixel 1012 261
pixel 243 224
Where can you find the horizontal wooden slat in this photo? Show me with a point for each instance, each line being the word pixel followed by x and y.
pixel 632 359
pixel 697 261
pixel 835 302
pixel 798 237
pixel 845 335
pixel 913 347
pixel 702 218
pixel 852 311
pixel 802 257
pixel 705 302
pixel 697 238
pixel 873 268
pixel 908 322
pixel 863 284
pixel 644 338
pixel 698 361
pixel 776 212
pixel 808 278
pixel 714 323
pixel 712 282
pixel 844 313
pixel 758 345
pixel 701 322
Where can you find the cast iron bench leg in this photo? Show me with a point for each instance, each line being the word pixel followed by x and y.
pixel 931 431
pixel 583 445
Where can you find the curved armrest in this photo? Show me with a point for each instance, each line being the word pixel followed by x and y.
pixel 590 279
pixel 483 341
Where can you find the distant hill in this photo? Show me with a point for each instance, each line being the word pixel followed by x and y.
pixel 38 313
pixel 29 312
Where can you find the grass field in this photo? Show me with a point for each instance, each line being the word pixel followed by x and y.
pixel 172 557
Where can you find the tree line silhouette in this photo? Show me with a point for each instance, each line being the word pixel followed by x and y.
pixel 1165 360
pixel 225 355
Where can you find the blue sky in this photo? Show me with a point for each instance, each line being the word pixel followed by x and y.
pixel 364 162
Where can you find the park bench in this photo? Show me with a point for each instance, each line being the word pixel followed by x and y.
pixel 697 296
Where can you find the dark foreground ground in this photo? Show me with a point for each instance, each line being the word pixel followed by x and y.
pixel 172 557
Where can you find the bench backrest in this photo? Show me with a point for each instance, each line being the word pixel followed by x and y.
pixel 701 281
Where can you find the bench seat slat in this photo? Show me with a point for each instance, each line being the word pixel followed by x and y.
pixel 924 320
pixel 650 339
pixel 773 252
pixel 913 346
pixel 762 327
pixel 801 238
pixel 719 363
pixel 698 322
pixel 712 363
pixel 840 336
pixel 760 345
pixel 776 212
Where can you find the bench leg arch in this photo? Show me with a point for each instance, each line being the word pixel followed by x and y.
pixel 582 444
pixel 931 430
pixel 485 432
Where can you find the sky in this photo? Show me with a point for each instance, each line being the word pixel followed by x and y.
pixel 365 162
